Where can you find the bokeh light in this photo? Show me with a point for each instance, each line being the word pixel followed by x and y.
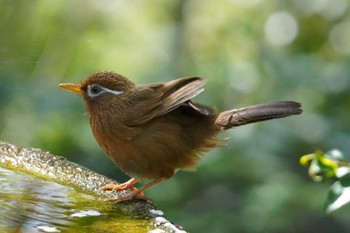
pixel 339 38
pixel 281 28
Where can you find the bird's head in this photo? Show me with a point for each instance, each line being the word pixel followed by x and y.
pixel 102 90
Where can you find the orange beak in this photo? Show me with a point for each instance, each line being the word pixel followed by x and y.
pixel 76 88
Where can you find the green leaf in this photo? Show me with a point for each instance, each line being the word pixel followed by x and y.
pixel 343 175
pixel 338 196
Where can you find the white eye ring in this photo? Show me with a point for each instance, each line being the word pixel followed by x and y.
pixel 95 90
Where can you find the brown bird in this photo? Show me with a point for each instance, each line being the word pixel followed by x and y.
pixel 153 130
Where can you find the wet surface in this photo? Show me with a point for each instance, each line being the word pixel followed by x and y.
pixel 41 192
pixel 28 204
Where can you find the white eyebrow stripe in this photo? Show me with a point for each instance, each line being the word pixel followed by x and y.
pixel 112 91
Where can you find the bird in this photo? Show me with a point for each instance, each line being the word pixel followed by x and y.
pixel 151 131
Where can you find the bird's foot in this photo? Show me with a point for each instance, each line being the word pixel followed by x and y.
pixel 129 185
pixel 118 187
pixel 135 193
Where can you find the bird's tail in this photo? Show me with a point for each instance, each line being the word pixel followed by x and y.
pixel 261 112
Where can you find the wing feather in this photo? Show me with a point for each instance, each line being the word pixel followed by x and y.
pixel 160 98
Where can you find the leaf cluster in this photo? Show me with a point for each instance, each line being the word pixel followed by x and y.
pixel 334 166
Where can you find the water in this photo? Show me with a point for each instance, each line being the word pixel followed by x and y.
pixel 29 205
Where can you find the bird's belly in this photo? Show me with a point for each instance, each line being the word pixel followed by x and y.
pixel 149 160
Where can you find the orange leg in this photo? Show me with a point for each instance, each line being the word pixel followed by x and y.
pixel 136 193
pixel 123 186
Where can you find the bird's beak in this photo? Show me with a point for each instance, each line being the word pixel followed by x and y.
pixel 76 88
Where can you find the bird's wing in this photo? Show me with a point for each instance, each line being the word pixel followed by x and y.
pixel 159 98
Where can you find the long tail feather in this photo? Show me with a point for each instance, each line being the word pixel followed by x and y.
pixel 261 112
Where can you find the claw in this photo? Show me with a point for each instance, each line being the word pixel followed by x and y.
pixel 129 185
pixel 118 187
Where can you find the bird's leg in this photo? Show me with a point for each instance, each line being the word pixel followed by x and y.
pixel 123 186
pixel 138 193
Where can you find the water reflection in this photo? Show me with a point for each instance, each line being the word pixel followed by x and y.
pixel 27 203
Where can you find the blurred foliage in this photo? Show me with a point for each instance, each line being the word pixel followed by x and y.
pixel 332 165
pixel 250 51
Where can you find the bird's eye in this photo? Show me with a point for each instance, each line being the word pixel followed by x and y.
pixel 95 90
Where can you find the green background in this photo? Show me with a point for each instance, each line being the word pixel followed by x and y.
pixel 250 52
